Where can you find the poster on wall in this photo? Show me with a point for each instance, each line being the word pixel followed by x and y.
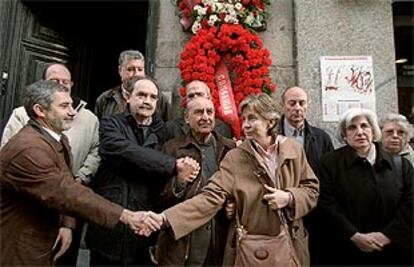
pixel 347 82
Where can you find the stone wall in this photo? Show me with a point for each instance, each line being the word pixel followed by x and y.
pixel 345 27
pixel 298 33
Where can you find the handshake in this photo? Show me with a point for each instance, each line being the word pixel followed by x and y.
pixel 143 222
pixel 147 222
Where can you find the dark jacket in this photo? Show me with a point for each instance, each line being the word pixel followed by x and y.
pixel 111 102
pixel 358 197
pixel 169 251
pixel 36 185
pixel 317 143
pixel 178 127
pixel 132 174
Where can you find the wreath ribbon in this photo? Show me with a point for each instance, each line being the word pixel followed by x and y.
pixel 228 110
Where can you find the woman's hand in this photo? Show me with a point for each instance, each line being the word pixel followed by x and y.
pixel 276 199
pixel 366 242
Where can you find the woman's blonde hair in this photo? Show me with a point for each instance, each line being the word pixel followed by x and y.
pixel 264 106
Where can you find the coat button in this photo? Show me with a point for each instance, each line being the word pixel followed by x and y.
pixel 261 254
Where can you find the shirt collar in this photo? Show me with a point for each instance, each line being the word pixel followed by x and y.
pixel 289 129
pixel 55 135
pixel 372 154
pixel 271 150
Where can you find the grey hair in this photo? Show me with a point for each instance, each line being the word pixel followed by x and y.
pixel 135 79
pixel 264 106
pixel 349 115
pixel 40 92
pixel 128 55
pixel 401 120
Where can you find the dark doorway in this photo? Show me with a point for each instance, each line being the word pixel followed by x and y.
pixel 101 30
pixel 86 35
pixel 403 13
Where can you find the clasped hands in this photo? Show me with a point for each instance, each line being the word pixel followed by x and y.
pixel 187 170
pixel 369 242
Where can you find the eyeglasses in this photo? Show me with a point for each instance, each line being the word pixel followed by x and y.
pixel 64 82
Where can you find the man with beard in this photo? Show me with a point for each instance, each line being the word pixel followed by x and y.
pixel 204 246
pixel 83 138
pixel 316 142
pixel 36 184
pixel 132 173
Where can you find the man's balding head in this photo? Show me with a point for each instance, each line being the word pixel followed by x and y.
pixel 295 106
pixel 197 88
pixel 58 73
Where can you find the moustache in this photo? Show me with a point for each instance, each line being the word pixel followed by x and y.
pixel 146 106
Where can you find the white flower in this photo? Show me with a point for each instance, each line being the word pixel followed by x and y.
pixel 249 19
pixel 219 7
pixel 201 11
pixel 212 20
pixel 196 27
pixel 230 19
pixel 238 6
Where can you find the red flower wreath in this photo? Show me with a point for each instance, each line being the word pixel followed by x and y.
pixel 247 61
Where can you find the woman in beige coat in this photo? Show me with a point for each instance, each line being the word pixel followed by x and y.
pixel 249 174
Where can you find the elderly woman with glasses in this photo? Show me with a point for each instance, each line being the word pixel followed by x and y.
pixel 396 132
pixel 367 197
pixel 265 174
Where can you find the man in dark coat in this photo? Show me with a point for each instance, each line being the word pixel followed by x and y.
pixel 36 183
pixel 178 127
pixel 204 246
pixel 316 143
pixel 132 173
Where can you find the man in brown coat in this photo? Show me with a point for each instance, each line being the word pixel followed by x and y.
pixel 205 245
pixel 36 183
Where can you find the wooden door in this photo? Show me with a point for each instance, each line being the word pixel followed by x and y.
pixel 27 44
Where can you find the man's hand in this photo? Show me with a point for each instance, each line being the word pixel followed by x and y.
pixel 379 238
pixel 277 199
pixel 64 239
pixel 142 222
pixel 187 170
pixel 230 208
pixel 152 220
pixel 366 242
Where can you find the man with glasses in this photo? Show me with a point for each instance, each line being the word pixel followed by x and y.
pixel 83 138
pixel 113 101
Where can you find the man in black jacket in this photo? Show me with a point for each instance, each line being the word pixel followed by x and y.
pixel 132 173
pixel 316 143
